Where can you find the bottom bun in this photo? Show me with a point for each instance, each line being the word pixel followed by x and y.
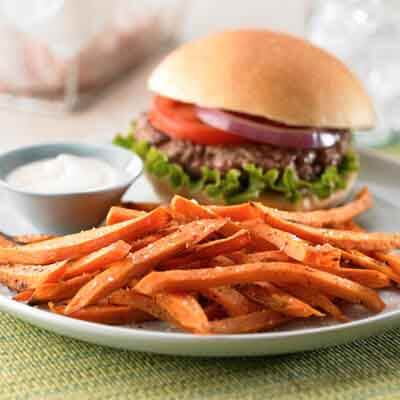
pixel 307 203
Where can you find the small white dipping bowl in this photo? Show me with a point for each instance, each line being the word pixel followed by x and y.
pixel 62 213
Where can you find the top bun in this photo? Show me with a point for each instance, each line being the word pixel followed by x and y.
pixel 267 74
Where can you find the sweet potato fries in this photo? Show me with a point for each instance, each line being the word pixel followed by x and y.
pixel 208 269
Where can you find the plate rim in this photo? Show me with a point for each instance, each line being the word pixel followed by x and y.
pixel 44 315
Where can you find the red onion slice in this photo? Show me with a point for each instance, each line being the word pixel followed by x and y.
pixel 262 132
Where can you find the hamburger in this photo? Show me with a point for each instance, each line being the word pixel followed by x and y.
pixel 252 115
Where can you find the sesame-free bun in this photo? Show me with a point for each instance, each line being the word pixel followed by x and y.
pixel 307 203
pixel 267 74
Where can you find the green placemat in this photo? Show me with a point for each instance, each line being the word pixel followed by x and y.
pixel 35 364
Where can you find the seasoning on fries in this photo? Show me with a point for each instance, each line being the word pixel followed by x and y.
pixel 208 269
pixel 233 302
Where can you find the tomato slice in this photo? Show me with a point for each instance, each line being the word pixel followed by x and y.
pixel 179 121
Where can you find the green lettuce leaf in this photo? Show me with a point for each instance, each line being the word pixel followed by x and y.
pixel 236 186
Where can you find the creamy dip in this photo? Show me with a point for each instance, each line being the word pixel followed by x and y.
pixel 65 173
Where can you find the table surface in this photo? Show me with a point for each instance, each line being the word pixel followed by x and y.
pixel 35 364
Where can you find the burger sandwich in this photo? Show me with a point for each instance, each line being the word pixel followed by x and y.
pixel 252 115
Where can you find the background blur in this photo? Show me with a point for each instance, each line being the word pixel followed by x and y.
pixel 57 51
pixel 211 15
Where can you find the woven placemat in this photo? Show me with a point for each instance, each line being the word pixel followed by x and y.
pixel 35 364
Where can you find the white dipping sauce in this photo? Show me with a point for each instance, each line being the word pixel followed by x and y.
pixel 65 173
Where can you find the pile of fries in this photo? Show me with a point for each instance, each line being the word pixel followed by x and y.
pixel 207 269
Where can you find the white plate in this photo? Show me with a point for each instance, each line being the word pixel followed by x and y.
pixel 379 173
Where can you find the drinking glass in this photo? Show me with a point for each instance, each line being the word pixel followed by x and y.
pixel 365 34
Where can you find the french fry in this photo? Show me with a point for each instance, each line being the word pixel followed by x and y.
pixel 320 218
pixel 24 296
pixel 98 259
pixel 317 299
pixel 299 250
pixel 218 261
pixel 221 261
pixel 233 302
pixel 211 249
pixel 237 241
pixel 275 272
pixel 32 238
pixel 80 244
pixel 106 314
pixel 370 278
pixel 57 291
pixel 276 299
pixel 145 241
pixel 120 214
pixel 261 256
pixel 133 282
pixel 115 277
pixel 180 309
pixel 237 212
pixel 183 311
pixel 191 210
pixel 4 242
pixel 129 297
pixel 255 322
pixel 364 261
pixel 393 260
pixel 141 262
pixel 140 243
pixel 348 240
pixel 24 277
pixel 349 225
pixel 366 277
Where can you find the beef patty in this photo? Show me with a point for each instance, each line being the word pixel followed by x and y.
pixel 309 164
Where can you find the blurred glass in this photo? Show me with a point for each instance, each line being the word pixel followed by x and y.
pixel 55 52
pixel 365 34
